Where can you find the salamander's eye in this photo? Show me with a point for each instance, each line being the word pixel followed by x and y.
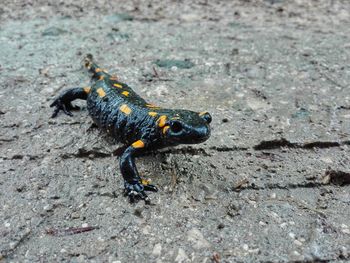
pixel 176 126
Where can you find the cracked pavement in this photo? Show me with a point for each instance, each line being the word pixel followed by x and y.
pixel 270 185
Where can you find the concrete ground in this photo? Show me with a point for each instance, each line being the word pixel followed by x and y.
pixel 272 184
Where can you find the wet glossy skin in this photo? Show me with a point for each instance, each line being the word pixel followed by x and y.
pixel 117 109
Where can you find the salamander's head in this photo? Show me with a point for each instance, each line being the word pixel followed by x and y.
pixel 186 127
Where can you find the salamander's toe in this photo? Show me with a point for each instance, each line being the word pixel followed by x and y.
pixel 151 188
pixel 60 106
pixel 136 191
pixel 148 186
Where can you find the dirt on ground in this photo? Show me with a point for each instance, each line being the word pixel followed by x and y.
pixel 272 184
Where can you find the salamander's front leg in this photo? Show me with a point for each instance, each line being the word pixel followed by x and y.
pixel 135 187
pixel 63 101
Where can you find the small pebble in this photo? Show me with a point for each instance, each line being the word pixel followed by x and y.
pixel 181 256
pixel 146 230
pixel 47 207
pixel 221 226
pixel 296 256
pixel 75 215
pixel 345 229
pixel 283 225
pixel 297 242
pixel 157 250
pixel 197 238
pixel 291 235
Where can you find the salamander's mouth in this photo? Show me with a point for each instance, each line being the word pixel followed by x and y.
pixel 189 136
pixel 201 134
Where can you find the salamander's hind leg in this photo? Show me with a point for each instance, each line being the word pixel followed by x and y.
pixel 63 101
pixel 135 187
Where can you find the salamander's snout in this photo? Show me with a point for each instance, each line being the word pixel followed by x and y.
pixel 202 133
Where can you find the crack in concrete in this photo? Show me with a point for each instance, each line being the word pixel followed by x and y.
pixel 83 153
pixel 263 145
pixel 336 177
pixel 22 156
pixel 280 143
pixel 278 186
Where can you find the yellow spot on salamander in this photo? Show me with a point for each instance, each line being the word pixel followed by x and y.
pixel 87 90
pixel 117 85
pixel 98 70
pixel 125 93
pixel 125 109
pixel 101 77
pixel 152 113
pixel 101 92
pixel 161 121
pixel 165 129
pixel 113 78
pixel 138 144
pixel 145 181
pixel 202 113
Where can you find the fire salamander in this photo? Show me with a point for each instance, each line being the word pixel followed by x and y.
pixel 141 126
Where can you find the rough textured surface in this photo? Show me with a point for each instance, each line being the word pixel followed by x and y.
pixel 272 183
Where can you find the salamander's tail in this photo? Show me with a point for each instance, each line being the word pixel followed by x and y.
pixel 97 72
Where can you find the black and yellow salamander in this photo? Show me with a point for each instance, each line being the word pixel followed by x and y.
pixel 141 126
